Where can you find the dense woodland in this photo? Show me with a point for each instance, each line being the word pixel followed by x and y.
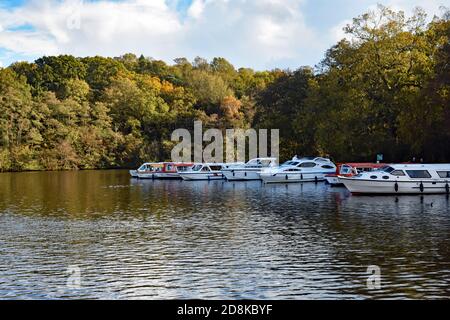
pixel 386 90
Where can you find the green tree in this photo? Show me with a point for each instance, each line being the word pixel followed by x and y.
pixel 279 104
pixel 18 121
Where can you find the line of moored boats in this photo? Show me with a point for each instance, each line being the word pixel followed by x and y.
pixel 411 178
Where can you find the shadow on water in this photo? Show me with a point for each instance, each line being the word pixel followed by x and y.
pixel 176 239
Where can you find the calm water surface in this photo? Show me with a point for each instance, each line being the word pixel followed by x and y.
pixel 173 239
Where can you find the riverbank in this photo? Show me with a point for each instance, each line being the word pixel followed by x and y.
pixel 69 170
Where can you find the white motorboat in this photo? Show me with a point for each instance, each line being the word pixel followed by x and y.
pixel 401 179
pixel 204 171
pixel 146 170
pixel 248 171
pixel 350 169
pixel 299 170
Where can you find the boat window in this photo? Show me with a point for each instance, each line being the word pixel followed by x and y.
pixel 205 168
pixel 398 173
pixel 216 168
pixel 387 169
pixel 183 168
pixel 290 163
pixel 265 163
pixel 346 169
pixel 418 174
pixel 294 169
pixel 197 167
pixel 327 166
pixel 385 177
pixel 307 165
pixel 373 177
pixel 169 167
pixel 444 174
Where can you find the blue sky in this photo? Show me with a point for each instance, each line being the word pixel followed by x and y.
pixel 256 33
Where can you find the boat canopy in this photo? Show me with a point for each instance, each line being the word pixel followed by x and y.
pixel 150 165
pixel 364 165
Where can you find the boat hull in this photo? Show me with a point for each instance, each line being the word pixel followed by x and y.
pixel 167 175
pixel 146 175
pixel 361 186
pixel 291 177
pixel 201 176
pixel 333 180
pixel 241 175
pixel 134 173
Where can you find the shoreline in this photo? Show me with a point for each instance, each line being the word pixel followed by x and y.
pixel 69 170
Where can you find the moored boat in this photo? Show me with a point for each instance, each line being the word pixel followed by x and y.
pixel 401 179
pixel 299 170
pixel 249 170
pixel 172 170
pixel 204 171
pixel 146 170
pixel 350 169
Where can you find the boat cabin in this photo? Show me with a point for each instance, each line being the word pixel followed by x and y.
pixel 172 167
pixel 415 171
pixel 207 167
pixel 310 162
pixel 353 168
pixel 150 167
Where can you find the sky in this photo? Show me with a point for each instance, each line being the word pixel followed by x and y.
pixel 261 34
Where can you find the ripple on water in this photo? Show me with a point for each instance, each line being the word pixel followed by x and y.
pixel 172 239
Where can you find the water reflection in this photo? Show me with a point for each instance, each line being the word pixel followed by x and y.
pixel 174 239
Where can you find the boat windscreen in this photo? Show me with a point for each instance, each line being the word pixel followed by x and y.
pixel 183 168
pixel 197 167
pixel 387 169
pixel 265 163
pixel 346 169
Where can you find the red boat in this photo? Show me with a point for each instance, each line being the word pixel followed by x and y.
pixel 170 170
pixel 349 169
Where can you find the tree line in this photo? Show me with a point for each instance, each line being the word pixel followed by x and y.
pixel 384 89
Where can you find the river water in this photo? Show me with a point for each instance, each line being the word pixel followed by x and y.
pixel 102 235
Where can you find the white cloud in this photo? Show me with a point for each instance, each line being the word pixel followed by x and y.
pixel 109 28
pixel 262 33
pixel 196 8
pixel 27 43
pixel 256 33
pixel 337 32
pixel 431 7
